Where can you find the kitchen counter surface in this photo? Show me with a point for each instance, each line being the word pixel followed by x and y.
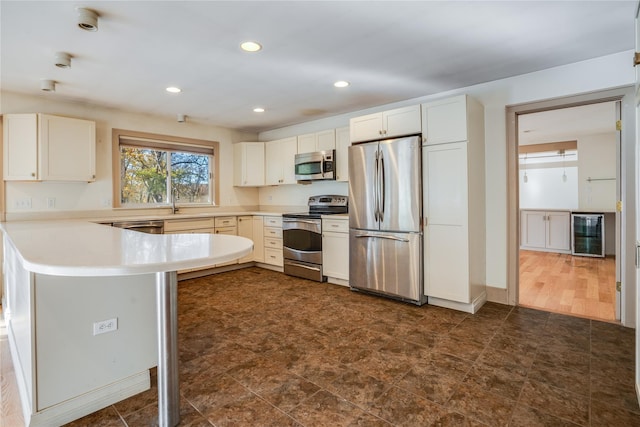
pixel 82 248
pixel 588 211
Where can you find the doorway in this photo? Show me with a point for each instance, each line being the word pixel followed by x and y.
pixel 568 174
pixel 624 213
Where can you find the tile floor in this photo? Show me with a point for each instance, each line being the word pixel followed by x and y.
pixel 262 349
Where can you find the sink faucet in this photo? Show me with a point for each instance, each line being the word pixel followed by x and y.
pixel 174 196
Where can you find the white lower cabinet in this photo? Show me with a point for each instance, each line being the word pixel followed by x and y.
pixel 335 250
pixel 547 231
pixel 273 241
pixel 247 227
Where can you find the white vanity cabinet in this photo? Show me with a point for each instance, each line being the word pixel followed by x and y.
pixel 319 141
pixel 43 147
pixel 335 249
pixel 547 231
pixel 248 164
pixel 454 214
pixel 386 124
pixel 279 161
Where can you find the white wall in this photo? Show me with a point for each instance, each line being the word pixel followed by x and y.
pixel 597 160
pixel 607 72
pixel 94 196
pixel 545 188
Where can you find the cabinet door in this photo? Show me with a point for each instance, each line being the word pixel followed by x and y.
pixel 326 140
pixel 307 143
pixel 558 236
pixel 335 255
pixel 67 149
pixel 20 141
pixel 245 229
pixel 533 229
pixel 342 154
pixel 366 128
pixel 248 164
pixel 445 120
pixel 445 199
pixel 288 151
pixel 402 121
pixel 273 165
pixel 258 239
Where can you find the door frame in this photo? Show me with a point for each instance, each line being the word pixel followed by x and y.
pixel 628 214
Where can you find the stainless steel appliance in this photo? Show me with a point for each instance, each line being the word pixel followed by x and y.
pixel 302 236
pixel 587 234
pixel 150 226
pixel 319 165
pixel 385 218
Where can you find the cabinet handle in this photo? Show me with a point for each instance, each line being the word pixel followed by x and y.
pixel 33 174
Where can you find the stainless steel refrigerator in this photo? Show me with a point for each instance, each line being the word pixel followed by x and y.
pixel 385 218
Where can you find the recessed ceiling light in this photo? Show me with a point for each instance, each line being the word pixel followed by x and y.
pixel 341 83
pixel 173 89
pixel 250 46
pixel 258 110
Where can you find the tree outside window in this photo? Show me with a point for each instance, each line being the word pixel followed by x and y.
pixel 146 178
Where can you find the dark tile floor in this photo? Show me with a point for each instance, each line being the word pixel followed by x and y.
pixel 258 348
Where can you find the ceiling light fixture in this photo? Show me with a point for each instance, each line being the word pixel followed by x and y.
pixel 564 168
pixel 250 46
pixel 63 60
pixel 173 89
pixel 258 110
pixel 48 85
pixel 341 83
pixel 525 178
pixel 182 118
pixel 87 19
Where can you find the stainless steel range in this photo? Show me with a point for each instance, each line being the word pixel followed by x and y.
pixel 302 236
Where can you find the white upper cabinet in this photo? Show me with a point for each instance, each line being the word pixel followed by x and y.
pixel 445 120
pixel 248 164
pixel 42 147
pixel 342 153
pixel 387 124
pixel 279 161
pixel 319 141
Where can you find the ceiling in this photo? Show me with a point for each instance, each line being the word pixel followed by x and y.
pixel 567 124
pixel 389 50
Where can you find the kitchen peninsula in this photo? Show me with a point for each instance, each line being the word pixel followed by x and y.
pixel 91 308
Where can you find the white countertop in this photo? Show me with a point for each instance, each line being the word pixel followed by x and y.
pixel 81 248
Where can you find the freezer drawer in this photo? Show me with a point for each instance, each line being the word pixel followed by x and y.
pixel 387 263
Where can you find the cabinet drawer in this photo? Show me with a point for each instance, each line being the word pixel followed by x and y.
pixel 273 232
pixel 273 221
pixel 273 256
pixel 225 221
pixel 335 225
pixel 187 224
pixel 232 231
pixel 273 243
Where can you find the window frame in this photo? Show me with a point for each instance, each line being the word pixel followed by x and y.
pixel 164 143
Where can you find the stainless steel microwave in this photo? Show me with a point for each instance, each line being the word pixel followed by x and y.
pixel 315 166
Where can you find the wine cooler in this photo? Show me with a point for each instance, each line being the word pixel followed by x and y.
pixel 587 234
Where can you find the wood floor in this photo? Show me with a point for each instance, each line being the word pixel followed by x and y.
pixel 575 285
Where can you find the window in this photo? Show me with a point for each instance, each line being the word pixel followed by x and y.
pixel 158 170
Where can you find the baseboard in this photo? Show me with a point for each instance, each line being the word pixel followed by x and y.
pixel 91 402
pixel 270 267
pixel 337 281
pixel 498 295
pixel 470 308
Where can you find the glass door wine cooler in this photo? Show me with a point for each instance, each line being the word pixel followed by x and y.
pixel 587 234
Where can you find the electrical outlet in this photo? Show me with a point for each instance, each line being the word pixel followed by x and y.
pixel 105 326
pixel 24 203
pixel 51 202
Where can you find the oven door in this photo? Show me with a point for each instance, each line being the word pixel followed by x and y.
pixel 302 239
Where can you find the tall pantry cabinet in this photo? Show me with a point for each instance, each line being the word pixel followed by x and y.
pixel 454 203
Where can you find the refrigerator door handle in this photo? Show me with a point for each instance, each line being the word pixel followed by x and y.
pixel 378 236
pixel 376 210
pixel 382 187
